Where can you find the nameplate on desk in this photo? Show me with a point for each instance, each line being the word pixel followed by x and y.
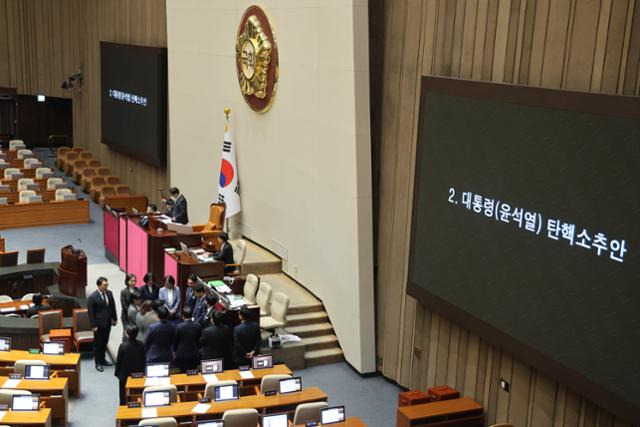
pixel 311 424
pixel 15 376
pixel 133 405
pixel 205 400
pixel 137 375
pixel 270 393
pixel 243 368
pixel 34 351
pixel 191 372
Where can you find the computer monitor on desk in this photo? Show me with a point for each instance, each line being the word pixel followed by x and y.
pixel 212 366
pixel 25 402
pixel 334 414
pixel 290 385
pixel 222 393
pixel 210 423
pixel 5 344
pixel 36 372
pixel 274 420
pixel 157 370
pixel 53 348
pixel 262 361
pixel 157 398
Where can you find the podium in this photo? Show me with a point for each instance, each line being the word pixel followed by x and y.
pixel 180 266
pixel 72 272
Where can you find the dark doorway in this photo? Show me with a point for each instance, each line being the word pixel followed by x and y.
pixel 37 120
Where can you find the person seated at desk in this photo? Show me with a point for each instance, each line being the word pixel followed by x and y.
pixel 152 209
pixel 149 291
pixel 130 359
pixel 186 343
pixel 37 306
pixel 170 296
pixel 246 338
pixel 226 252
pixel 134 308
pixel 177 206
pixel 216 341
pixel 159 340
pixel 125 297
pixel 145 318
pixel 200 311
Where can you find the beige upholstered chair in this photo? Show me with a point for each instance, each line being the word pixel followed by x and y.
pixel 251 288
pixel 42 173
pixel 160 422
pixel 209 388
pixel 12 173
pixel 272 382
pixel 20 366
pixel 15 143
pixel 240 418
pixel 52 183
pixel 27 297
pixel 279 310
pixel 23 153
pixel 262 298
pixel 173 391
pixel 3 163
pixel 62 192
pixel 32 163
pixel 5 298
pixel 308 412
pixel 239 253
pixel 6 395
pixel 24 183
pixel 25 196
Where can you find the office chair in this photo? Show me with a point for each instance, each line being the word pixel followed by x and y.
pixel 26 195
pixel 262 298
pixel 27 297
pixel 23 153
pixel 62 192
pixel 54 182
pixel 25 183
pixel 160 422
pixel 48 320
pixel 6 395
pixel 278 316
pixel 271 382
pixel 240 417
pixel 239 252
pixel 5 298
pixel 308 412
pixel 210 387
pixel 82 332
pixel 8 259
pixel 12 173
pixel 35 256
pixel 251 288
pixel 15 143
pixel 32 163
pixel 42 173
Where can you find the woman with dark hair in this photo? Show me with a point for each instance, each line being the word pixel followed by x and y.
pixel 149 291
pixel 170 296
pixel 145 318
pixel 130 359
pixel 130 281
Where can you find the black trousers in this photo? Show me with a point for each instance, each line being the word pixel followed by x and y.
pixel 100 340
pixel 186 363
pixel 121 386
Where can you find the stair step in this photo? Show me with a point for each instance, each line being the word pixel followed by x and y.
pixel 307 318
pixel 312 330
pixel 320 342
pixel 262 267
pixel 323 357
pixel 307 308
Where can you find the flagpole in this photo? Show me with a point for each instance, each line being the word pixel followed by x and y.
pixel 227 111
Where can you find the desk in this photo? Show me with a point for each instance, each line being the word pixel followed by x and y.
pixel 181 266
pixel 264 404
pixel 17 306
pixel 452 413
pixel 14 196
pixel 54 392
pixel 28 418
pixel 349 422
pixel 14 284
pixel 31 215
pixel 13 183
pixel 196 383
pixel 66 366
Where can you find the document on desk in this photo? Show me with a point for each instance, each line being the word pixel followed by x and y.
pixel 11 384
pixel 201 408
pixel 7 310
pixel 157 381
pixel 2 414
pixel 246 375
pixel 149 412
pixel 210 378
pixel 163 219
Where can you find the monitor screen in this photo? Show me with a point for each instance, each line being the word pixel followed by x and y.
pixel 157 370
pixel 25 402
pixel 37 372
pixel 275 420
pixel 225 392
pixel 157 398
pixel 5 344
pixel 54 348
pixel 210 423
pixel 262 361
pixel 211 366
pixel 332 415
pixel 290 385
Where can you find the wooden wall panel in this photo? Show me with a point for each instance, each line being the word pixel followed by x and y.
pixel 587 45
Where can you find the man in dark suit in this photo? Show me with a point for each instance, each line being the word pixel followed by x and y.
pixel 149 291
pixel 159 339
pixel 216 341
pixel 37 306
pixel 102 315
pixel 210 300
pixel 187 342
pixel 177 206
pixel 226 252
pixel 201 306
pixel 246 338
pixel 130 359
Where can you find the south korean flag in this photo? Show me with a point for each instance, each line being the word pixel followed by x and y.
pixel 228 185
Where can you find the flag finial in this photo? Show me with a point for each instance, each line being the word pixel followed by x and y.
pixel 227 111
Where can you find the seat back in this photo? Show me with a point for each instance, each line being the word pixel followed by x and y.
pixel 77 149
pixel 112 180
pixel 209 388
pixel 94 163
pixel 43 173
pixel 27 297
pixel 71 156
pixel 173 391
pixel 86 155
pixel 263 296
pixel 280 307
pixel 61 192
pixel 48 320
pixel 79 164
pixel 25 196
pixel 272 382
pixel 31 163
pixel 308 412
pixel 6 395
pixel 240 417
pixel 35 256
pixel 20 366
pixel 24 154
pixel 9 172
pixel 217 213
pixel 122 190
pixel 88 173
pixel 81 321
pixel 251 288
pixel 52 182
pixel 63 150
pixel 107 191
pixel 23 183
pixel 8 259
pixel 240 252
pixel 97 181
pixel 104 171
pixel 15 143
pixel 5 298
pixel 160 422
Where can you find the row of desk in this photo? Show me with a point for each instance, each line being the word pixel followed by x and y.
pixel 47 213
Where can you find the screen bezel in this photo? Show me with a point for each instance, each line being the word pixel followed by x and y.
pixel 8 340
pixel 255 358
pixel 289 379
pixel 23 395
pixel 594 103
pixel 146 370
pixel 47 371
pixel 236 393
pixel 330 408
pixel 212 360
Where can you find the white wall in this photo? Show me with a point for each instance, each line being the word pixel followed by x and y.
pixel 305 165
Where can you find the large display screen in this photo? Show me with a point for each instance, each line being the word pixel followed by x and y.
pixel 134 100
pixel 526 228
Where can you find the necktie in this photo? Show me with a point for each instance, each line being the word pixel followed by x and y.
pixel 104 298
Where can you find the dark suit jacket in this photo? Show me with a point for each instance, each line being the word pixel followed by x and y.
pixel 187 340
pixel 125 300
pixel 178 212
pixel 37 309
pixel 158 342
pixel 246 338
pixel 130 358
pixel 200 311
pixel 216 343
pixel 146 294
pixel 101 315
pixel 226 255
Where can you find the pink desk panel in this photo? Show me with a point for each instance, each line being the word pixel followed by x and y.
pixel 137 250
pixel 110 229
pixel 122 256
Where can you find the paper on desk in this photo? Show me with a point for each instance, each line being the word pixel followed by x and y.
pixel 7 309
pixel 2 414
pixel 24 307
pixel 210 378
pixel 157 381
pixel 149 412
pixel 11 383
pixel 201 408
pixel 246 375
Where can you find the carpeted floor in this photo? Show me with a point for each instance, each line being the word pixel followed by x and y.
pixel 373 399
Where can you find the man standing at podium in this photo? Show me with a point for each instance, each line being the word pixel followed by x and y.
pixel 102 315
pixel 177 206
